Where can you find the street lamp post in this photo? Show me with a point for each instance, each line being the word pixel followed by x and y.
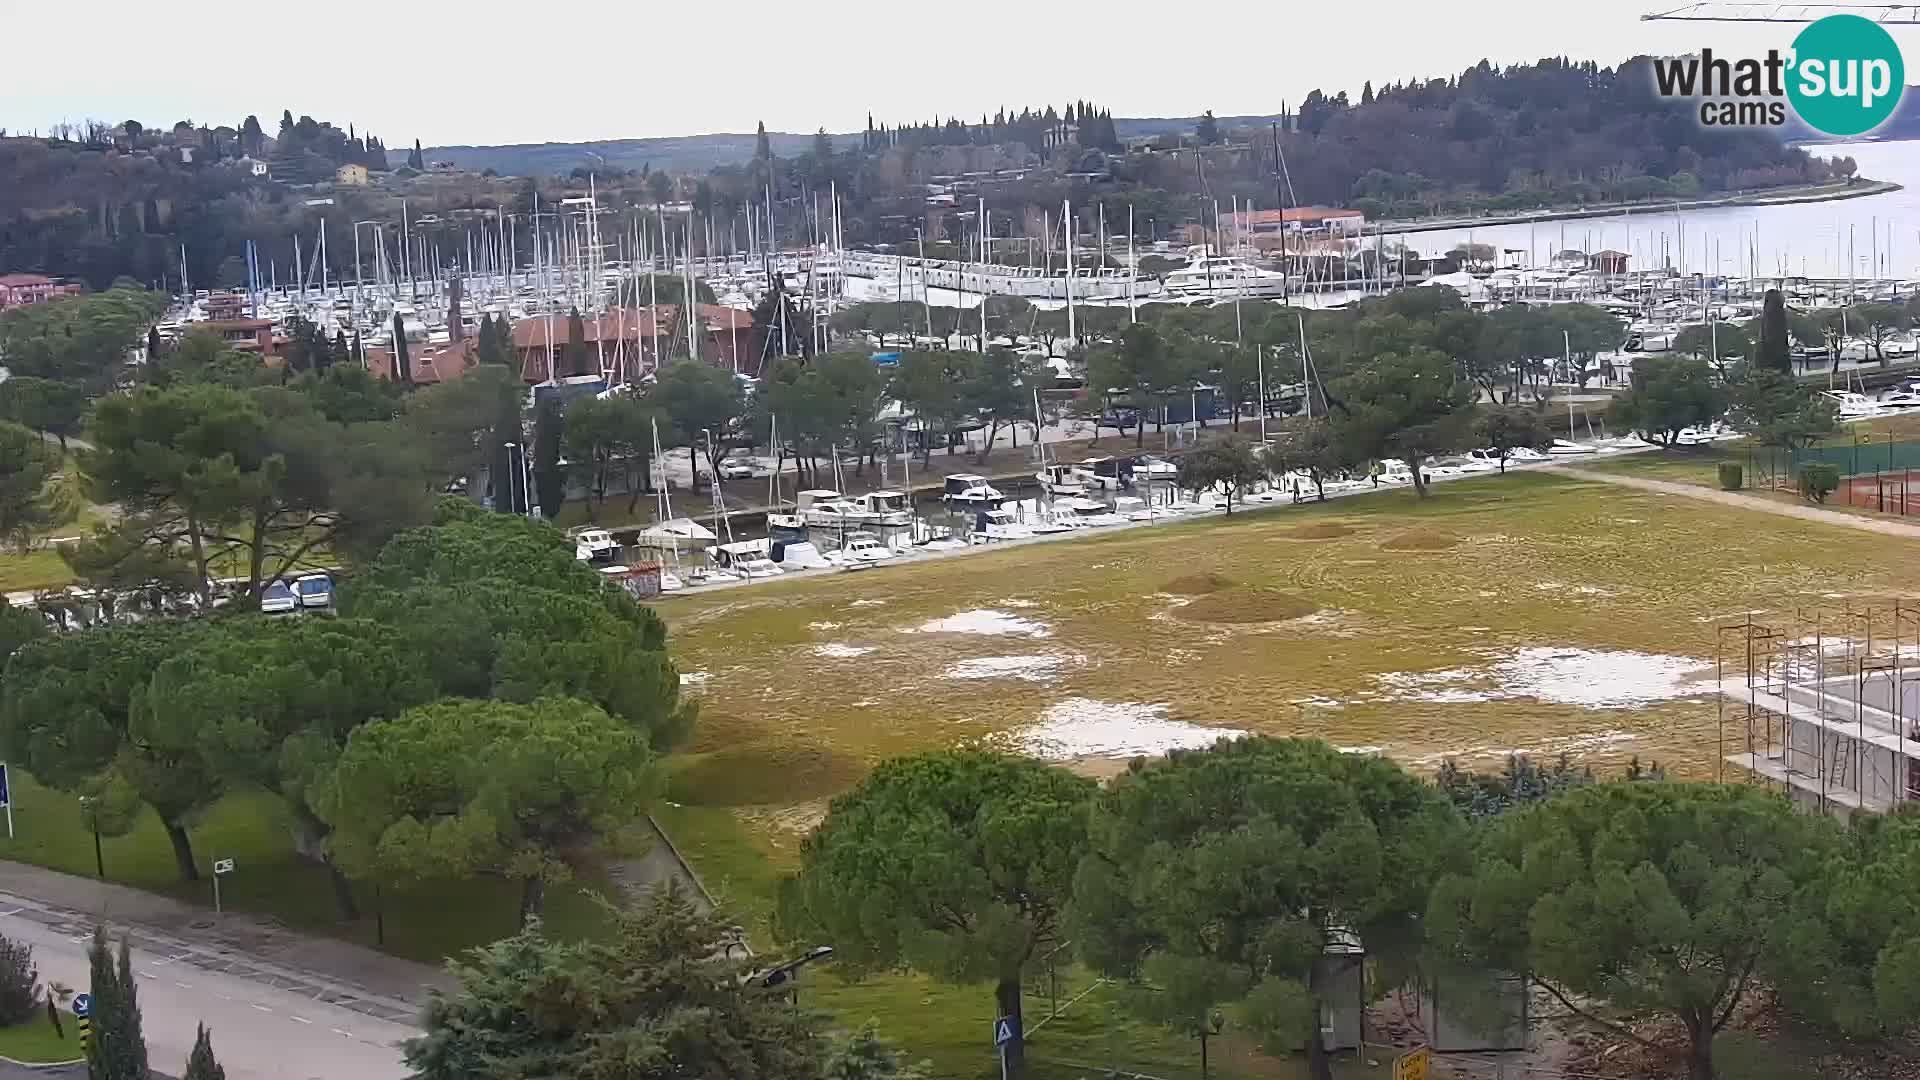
pixel 787 975
pixel 89 808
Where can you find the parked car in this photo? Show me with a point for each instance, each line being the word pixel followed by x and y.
pixel 277 599
pixel 739 469
pixel 314 590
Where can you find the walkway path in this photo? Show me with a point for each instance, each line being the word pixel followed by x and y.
pixel 1885 526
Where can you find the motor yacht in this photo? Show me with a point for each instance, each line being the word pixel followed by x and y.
pixel 996 525
pixel 1060 481
pixel 966 489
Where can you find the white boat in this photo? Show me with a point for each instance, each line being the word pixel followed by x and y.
pixel 1221 276
pixel 1059 481
pixel 1853 406
pixel 1899 400
pixel 1564 448
pixel 747 559
pixel 887 507
pixel 862 551
pixel 596 546
pixel 1088 513
pixel 996 525
pixel 800 555
pixel 970 490
pixel 1106 473
pixel 1155 470
pixel 825 508
pixel 676 535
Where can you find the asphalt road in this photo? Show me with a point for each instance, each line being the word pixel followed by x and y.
pixel 260 1032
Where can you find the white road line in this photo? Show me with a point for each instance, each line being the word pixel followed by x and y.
pixel 299 1019
pixel 223 997
pixel 348 1034
pixel 15 911
pixel 262 1008
pixel 183 986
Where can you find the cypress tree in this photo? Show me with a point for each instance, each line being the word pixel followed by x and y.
pixel 131 1050
pixel 548 481
pixel 201 1064
pixel 153 344
pixel 103 989
pixel 402 366
pixel 508 498
pixel 1774 354
pixel 573 358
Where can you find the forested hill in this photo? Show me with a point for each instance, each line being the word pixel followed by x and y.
pixel 685 153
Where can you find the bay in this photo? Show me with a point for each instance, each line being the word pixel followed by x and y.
pixel 1875 235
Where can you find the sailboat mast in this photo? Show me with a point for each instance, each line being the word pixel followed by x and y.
pixel 1066 223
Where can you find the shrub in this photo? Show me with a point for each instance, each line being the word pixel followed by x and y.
pixel 1731 477
pixel 19 982
pixel 1819 481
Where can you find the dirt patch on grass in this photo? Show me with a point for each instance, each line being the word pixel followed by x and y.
pixel 1319 530
pixel 1421 540
pixel 755 775
pixel 1196 584
pixel 1239 606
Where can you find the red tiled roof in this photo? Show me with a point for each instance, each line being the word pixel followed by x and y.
pixel 612 325
pixel 427 363
pixel 15 281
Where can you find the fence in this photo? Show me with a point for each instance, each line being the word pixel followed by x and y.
pixel 1887 492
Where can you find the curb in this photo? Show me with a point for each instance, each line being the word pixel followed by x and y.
pixel 686 866
pixel 5 1060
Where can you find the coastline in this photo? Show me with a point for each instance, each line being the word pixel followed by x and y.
pixel 1758 198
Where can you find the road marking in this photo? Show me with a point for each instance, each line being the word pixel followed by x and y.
pixel 299 1019
pixel 262 1008
pixel 15 911
pixel 183 986
pixel 348 1034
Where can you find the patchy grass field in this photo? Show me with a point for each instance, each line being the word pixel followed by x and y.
pixel 35 1043
pixel 1533 612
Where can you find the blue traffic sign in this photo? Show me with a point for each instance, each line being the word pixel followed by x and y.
pixel 82 1005
pixel 1005 1030
pixel 6 793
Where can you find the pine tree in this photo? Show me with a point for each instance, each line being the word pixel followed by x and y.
pixel 103 988
pixel 201 1064
pixel 1775 354
pixel 1366 93
pixel 508 498
pixel 762 148
pixel 153 344
pixel 402 364
pixel 548 481
pixel 416 160
pixel 342 352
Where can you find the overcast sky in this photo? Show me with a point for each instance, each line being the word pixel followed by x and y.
pixel 598 69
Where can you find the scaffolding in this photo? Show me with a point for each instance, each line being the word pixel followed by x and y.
pixel 1825 703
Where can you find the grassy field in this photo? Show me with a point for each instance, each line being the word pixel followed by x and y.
pixel 1421 610
pixel 428 923
pixel 35 1043
pixel 1534 612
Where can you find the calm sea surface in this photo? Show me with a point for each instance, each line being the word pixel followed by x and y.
pixel 1878 234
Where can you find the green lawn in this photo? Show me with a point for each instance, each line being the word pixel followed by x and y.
pixel 35 1043
pixel 251 828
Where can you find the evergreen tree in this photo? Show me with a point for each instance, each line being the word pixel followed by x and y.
pixel 153 344
pixel 402 365
pixel 1366 93
pixel 132 1050
pixel 506 475
pixel 251 136
pixel 416 160
pixel 201 1064
pixel 1774 353
pixel 762 148
pixel 573 357
pixel 1209 130
pixel 103 987
pixel 548 481
pixel 342 352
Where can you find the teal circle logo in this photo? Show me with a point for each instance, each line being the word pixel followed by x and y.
pixel 1847 75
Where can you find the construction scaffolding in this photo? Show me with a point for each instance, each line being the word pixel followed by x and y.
pixel 1827 705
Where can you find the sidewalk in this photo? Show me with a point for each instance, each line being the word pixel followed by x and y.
pixel 337 972
pixel 1884 526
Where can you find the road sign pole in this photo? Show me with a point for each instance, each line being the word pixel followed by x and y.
pixel 6 795
pixel 216 893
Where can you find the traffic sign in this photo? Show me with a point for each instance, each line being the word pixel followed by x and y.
pixel 223 866
pixel 1413 1065
pixel 82 1005
pixel 1005 1030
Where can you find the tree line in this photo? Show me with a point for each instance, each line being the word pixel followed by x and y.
pixel 1213 883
